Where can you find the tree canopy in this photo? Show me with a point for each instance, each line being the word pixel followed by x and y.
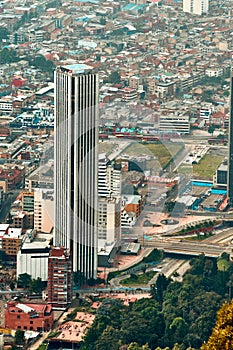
pixel 222 334
pixel 179 316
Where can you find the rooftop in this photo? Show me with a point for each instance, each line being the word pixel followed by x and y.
pixel 77 68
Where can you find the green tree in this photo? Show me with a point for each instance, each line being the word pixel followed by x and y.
pixel 211 129
pixel 109 339
pixel 114 78
pixel 135 346
pixel 36 286
pixel 160 286
pixel 19 337
pixel 24 280
pixel 8 56
pixel 41 63
pixel 12 285
pixel 78 278
pixel 179 328
pixel 4 33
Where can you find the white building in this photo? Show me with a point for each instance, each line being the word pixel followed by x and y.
pixel 76 164
pixel 32 258
pixel 197 7
pixel 175 123
pixel 114 179
pixel 43 210
pixel 103 186
pixel 109 220
pixel 214 72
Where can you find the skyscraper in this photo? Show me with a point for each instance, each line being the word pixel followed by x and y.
pixel 76 164
pixel 230 146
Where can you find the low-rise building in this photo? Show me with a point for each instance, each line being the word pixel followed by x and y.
pixel 11 242
pixel 174 124
pixel 33 317
pixel 32 257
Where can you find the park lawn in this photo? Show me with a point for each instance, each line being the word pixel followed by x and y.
pixel 186 169
pixel 223 264
pixel 207 166
pixel 164 152
pixel 106 147
pixel 141 279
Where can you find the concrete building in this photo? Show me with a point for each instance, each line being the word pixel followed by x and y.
pixel 76 164
pixel 32 257
pixel 59 278
pixel 197 7
pixel 43 210
pixel 230 146
pixel 174 124
pixel 11 243
pixel 29 317
pixel 103 186
pixel 114 179
pixel 109 221
pixel 220 177
pixel 42 177
pixel 28 201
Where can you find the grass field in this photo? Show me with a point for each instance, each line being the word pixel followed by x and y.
pixel 106 147
pixel 207 166
pixel 138 279
pixel 163 152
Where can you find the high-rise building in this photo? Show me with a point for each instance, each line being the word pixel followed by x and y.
pixel 59 278
pixel 43 210
pixel 109 223
pixel 76 164
pixel 230 146
pixel 197 7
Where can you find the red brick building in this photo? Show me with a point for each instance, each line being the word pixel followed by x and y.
pixel 59 278
pixel 33 317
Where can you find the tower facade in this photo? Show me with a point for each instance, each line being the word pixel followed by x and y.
pixel 230 146
pixel 76 164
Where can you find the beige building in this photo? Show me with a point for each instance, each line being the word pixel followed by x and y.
pixel 43 210
pixel 109 220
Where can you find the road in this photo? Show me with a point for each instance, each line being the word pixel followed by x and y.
pixel 167 267
pixel 189 248
pixel 121 147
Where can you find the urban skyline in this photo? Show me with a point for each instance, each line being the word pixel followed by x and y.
pixel 116 168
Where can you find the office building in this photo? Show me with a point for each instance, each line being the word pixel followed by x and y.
pixel 109 220
pixel 11 243
pixel 76 164
pixel 220 176
pixel 230 146
pixel 103 186
pixel 175 123
pixel 197 7
pixel 109 178
pixel 59 278
pixel 28 201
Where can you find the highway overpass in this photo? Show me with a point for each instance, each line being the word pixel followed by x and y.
pixel 189 248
